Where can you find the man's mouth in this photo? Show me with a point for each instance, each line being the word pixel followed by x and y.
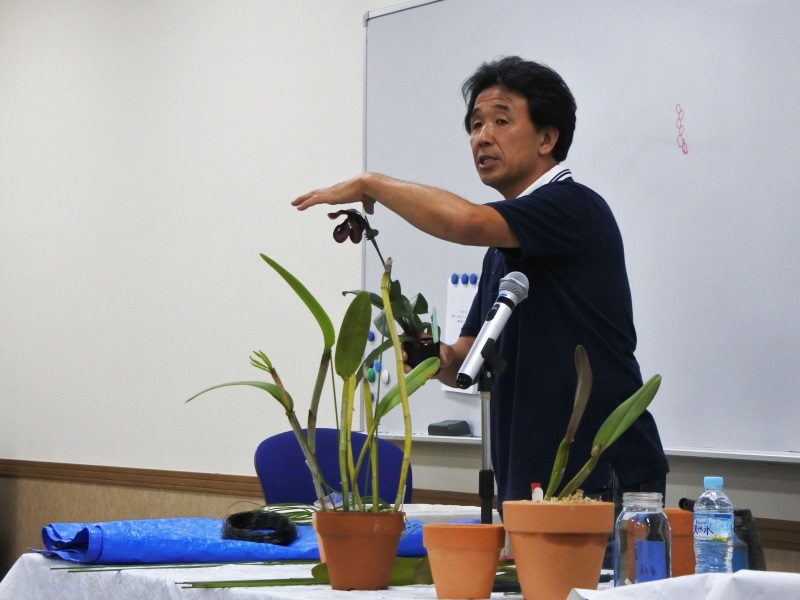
pixel 484 161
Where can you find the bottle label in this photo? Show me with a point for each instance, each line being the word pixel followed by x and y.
pixel 651 560
pixel 713 527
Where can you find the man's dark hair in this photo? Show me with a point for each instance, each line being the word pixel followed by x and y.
pixel 550 103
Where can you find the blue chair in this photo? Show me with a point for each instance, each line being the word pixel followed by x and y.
pixel 285 478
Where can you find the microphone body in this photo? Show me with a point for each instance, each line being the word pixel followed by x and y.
pixel 513 290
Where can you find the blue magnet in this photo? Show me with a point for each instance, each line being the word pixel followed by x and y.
pixel 473 279
pixel 377 365
pixel 454 278
pixel 371 336
pixel 465 279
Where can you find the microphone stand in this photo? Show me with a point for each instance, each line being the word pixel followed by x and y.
pixel 486 474
pixel 492 362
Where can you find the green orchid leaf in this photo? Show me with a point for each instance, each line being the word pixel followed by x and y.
pixel 272 389
pixel 376 299
pixel 402 308
pixel 353 336
pixel 323 320
pixel 613 427
pixel 394 291
pixel 418 326
pixel 625 414
pixel 559 467
pixel 373 356
pixel 419 305
pixel 414 380
pixel 381 326
pixel 582 391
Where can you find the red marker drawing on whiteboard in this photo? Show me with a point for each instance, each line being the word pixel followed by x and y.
pixel 679 124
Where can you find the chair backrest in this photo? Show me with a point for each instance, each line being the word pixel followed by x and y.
pixel 285 478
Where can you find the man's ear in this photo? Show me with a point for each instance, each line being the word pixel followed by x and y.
pixel 548 139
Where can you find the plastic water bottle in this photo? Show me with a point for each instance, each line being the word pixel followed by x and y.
pixel 713 529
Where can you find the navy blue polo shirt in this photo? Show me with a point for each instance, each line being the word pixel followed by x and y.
pixel 572 253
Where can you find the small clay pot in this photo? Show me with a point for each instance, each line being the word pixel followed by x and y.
pixel 463 557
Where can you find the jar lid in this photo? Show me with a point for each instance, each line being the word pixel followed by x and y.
pixel 641 497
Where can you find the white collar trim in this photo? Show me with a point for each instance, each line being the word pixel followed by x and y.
pixel 557 173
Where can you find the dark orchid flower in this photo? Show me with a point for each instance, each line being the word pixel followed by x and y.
pixel 355 226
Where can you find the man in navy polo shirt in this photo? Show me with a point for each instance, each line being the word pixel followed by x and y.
pixel 564 238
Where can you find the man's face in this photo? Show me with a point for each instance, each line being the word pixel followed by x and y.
pixel 505 145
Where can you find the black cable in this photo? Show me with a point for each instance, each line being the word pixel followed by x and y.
pixel 252 526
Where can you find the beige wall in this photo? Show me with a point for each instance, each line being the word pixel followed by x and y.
pixel 30 504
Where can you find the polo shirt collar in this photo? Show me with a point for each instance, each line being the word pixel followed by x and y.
pixel 557 173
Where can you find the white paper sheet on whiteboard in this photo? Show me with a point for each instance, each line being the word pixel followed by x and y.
pixel 459 301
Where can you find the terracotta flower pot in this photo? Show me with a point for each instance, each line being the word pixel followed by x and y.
pixel 359 547
pixel 463 557
pixel 557 546
pixel 682 524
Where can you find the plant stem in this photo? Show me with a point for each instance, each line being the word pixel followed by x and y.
pixel 308 452
pixel 344 442
pixel 401 383
pixel 324 363
pixel 370 421
pixel 311 458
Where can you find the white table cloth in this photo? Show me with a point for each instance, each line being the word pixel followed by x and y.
pixel 742 585
pixel 34 577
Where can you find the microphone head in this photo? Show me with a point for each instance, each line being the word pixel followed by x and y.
pixel 515 283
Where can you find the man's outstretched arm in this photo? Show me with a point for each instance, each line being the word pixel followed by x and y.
pixel 432 210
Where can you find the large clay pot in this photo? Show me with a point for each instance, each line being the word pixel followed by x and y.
pixel 360 548
pixel 463 557
pixel 682 524
pixel 557 546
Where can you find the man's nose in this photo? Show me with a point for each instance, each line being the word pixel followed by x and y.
pixel 486 135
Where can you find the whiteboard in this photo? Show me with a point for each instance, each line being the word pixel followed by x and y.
pixel 688 126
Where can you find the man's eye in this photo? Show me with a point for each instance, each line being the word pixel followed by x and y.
pixel 476 125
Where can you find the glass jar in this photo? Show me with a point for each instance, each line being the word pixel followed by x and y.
pixel 642 540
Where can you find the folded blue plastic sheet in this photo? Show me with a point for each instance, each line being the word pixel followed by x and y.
pixel 183 540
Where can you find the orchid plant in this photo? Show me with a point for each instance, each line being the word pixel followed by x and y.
pixel 614 426
pixel 345 352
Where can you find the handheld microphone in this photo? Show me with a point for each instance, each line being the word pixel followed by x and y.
pixel 513 290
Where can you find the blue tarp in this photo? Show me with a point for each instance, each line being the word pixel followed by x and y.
pixel 183 540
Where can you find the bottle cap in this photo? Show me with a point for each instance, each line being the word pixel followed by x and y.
pixel 712 483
